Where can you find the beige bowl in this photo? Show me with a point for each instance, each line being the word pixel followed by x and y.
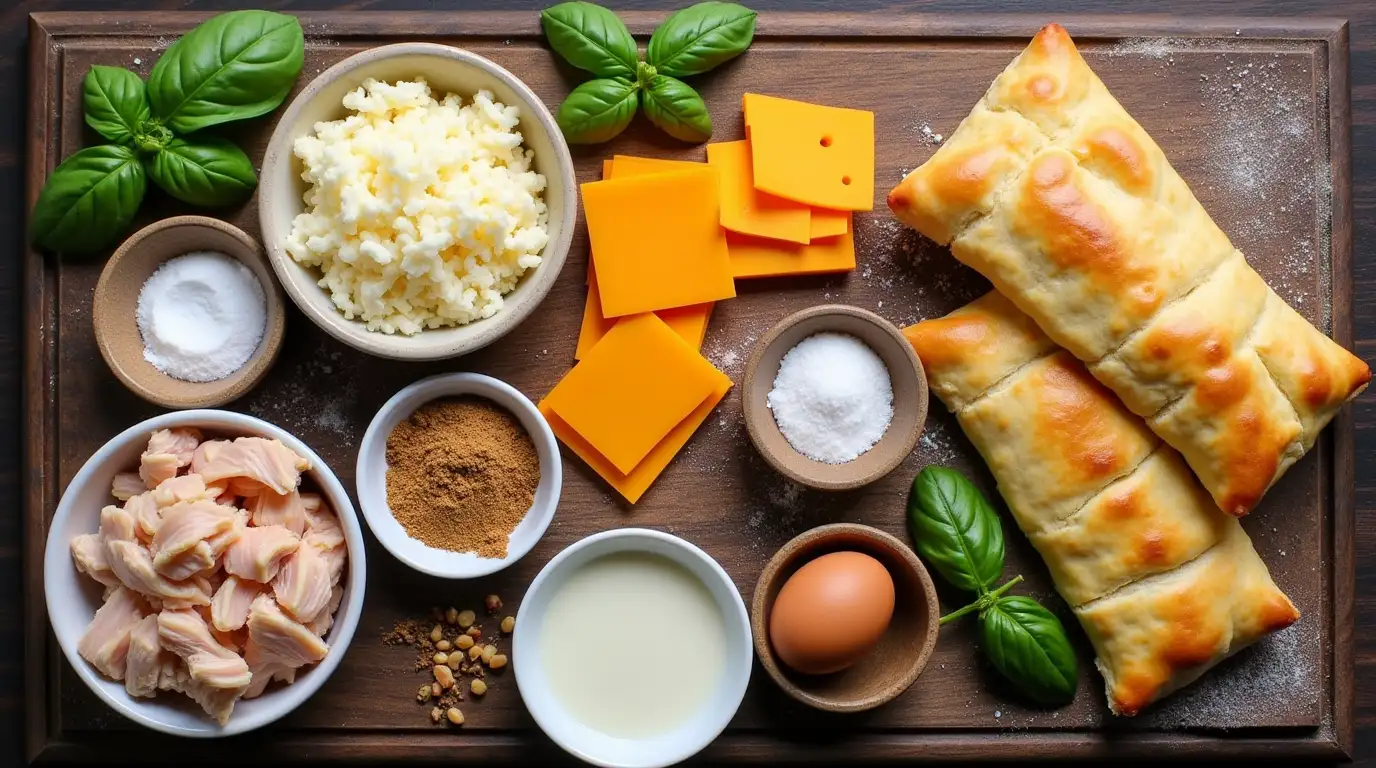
pixel 117 297
pixel 887 669
pixel 905 373
pixel 448 70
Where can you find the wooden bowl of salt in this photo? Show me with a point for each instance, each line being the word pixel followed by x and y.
pixel 821 447
pixel 115 308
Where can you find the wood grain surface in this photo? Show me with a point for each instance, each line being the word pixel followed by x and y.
pixel 326 394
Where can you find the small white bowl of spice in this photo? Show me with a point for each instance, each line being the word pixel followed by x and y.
pixel 187 313
pixel 459 475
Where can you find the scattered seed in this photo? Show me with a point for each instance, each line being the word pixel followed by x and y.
pixel 498 661
pixel 451 616
pixel 466 619
pixel 443 645
pixel 444 676
pixel 508 624
pixel 464 642
pixel 493 604
pixel 454 715
pixel 475 652
pixel 436 634
pixel 440 658
pixel 477 687
pixel 488 652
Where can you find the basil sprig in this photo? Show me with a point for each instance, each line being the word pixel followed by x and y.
pixel 691 41
pixel 234 66
pixel 960 535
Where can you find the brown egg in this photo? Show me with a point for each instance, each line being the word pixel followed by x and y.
pixel 831 612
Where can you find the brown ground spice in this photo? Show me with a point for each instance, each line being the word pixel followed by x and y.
pixel 461 473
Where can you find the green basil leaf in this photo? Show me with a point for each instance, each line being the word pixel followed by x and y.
pixel 596 111
pixel 677 109
pixel 114 102
pixel 955 529
pixel 89 200
pixel 591 38
pixel 235 66
pixel 209 172
pixel 700 37
pixel 1027 644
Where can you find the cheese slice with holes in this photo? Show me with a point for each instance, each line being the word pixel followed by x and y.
pixel 748 211
pixel 657 241
pixel 632 388
pixel 758 257
pixel 818 155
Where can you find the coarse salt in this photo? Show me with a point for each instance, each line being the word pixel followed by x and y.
pixel 832 397
pixel 201 316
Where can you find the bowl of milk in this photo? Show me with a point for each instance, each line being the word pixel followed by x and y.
pixel 632 649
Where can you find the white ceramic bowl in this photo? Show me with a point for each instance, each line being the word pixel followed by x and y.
pixel 372 476
pixel 594 746
pixel 73 597
pixel 448 70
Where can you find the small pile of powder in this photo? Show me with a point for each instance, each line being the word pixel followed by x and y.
pixel 832 398
pixel 201 316
pixel 461 474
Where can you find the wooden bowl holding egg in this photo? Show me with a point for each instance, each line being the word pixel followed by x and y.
pixel 831 619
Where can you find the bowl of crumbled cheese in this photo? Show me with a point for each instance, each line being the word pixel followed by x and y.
pixel 417 201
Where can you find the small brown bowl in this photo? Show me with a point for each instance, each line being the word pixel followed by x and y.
pixel 887 669
pixel 117 296
pixel 905 373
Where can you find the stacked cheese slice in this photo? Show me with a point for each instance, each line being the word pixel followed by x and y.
pixel 669 238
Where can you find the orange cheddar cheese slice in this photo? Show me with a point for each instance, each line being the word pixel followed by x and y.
pixel 657 241
pixel 828 223
pixel 632 388
pixel 748 211
pixel 757 257
pixel 818 155
pixel 630 165
pixel 688 322
pixel 606 169
pixel 632 485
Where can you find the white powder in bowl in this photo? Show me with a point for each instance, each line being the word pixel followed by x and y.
pixel 201 316
pixel 832 397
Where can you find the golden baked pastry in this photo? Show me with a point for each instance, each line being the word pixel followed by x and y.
pixel 1165 584
pixel 1053 192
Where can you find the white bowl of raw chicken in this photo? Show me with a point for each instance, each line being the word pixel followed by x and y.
pixel 74 597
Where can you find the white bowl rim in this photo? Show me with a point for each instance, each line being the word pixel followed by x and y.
pixel 737 670
pixel 56 556
pixel 353 332
pixel 392 537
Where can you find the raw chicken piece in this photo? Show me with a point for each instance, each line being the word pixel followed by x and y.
pixel 280 639
pixel 217 703
pixel 302 586
pixel 229 607
pixel 179 547
pixel 134 567
pixel 204 454
pixel 286 510
pixel 126 484
pixel 181 488
pixel 264 671
pixel 325 620
pixel 106 642
pixel 157 467
pixel 200 600
pixel 228 499
pixel 259 552
pixel 144 662
pixel 311 501
pixel 186 634
pixel 268 462
pixel 116 525
pixel 335 557
pixel 178 441
pixel 221 541
pixel 146 513
pixel 91 558
pixel 323 523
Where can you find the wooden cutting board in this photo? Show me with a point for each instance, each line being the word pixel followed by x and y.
pixel 1253 113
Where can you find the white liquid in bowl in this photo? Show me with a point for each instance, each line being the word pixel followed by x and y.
pixel 633 645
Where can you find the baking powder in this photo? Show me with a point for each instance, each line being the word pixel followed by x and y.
pixel 201 316
pixel 832 397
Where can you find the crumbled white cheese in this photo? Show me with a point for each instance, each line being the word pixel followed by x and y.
pixel 420 213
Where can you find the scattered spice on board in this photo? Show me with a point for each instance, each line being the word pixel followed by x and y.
pixel 450 646
pixel 461 474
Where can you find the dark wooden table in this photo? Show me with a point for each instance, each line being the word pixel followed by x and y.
pixel 1361 14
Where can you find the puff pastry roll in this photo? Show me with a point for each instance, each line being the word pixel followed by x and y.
pixel 1164 584
pixel 1053 192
